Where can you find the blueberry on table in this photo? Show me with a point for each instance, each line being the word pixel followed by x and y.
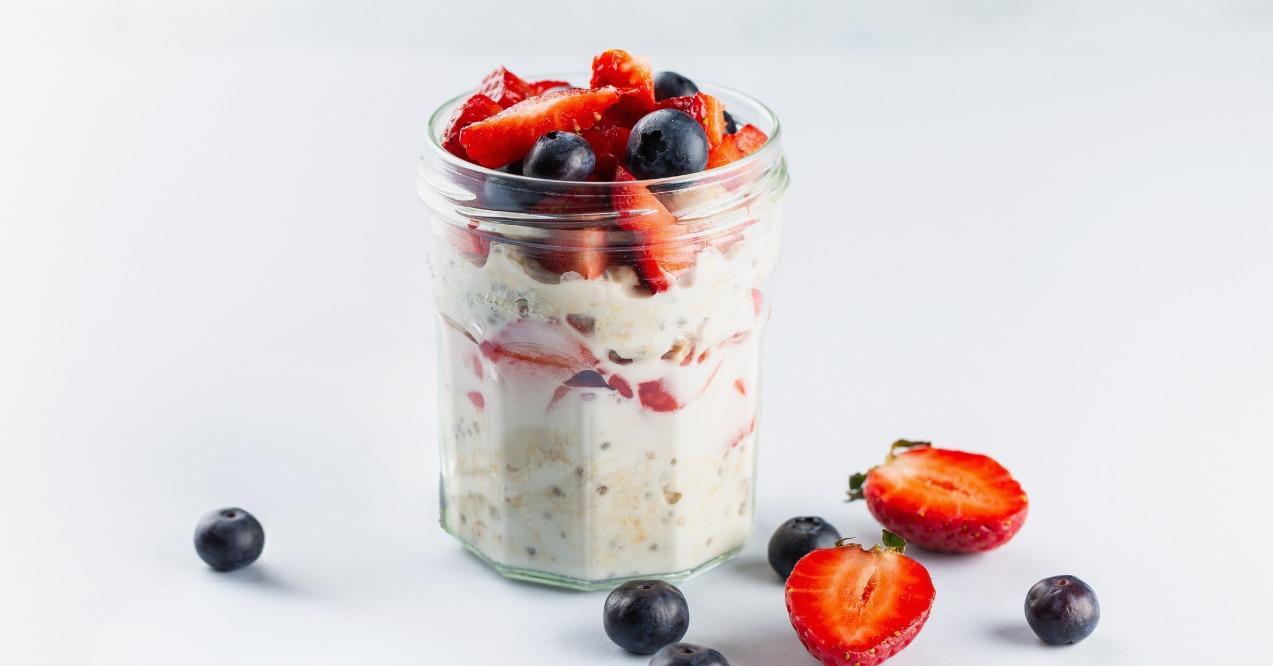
pixel 671 84
pixel 688 654
pixel 642 616
pixel 1062 610
pixel 731 125
pixel 229 539
pixel 666 143
pixel 560 156
pixel 796 538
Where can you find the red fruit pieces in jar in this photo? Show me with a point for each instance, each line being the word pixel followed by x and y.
pixel 508 135
pixel 541 87
pixel 578 250
pixel 477 399
pixel 655 397
pixel 621 385
pixel 734 147
pixel 476 107
pixel 472 244
pixel 706 109
pixel 944 500
pixel 660 250
pixel 633 75
pixel 505 87
pixel 610 145
pixel 851 606
pixel 538 346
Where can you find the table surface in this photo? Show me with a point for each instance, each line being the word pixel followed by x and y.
pixel 1043 233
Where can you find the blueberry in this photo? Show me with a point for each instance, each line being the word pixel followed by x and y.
pixel 671 84
pixel 687 654
pixel 642 616
pixel 666 143
pixel 560 156
pixel 1062 610
pixel 796 538
pixel 731 125
pixel 229 539
pixel 507 194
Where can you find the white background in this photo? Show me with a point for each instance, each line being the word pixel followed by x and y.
pixel 1042 230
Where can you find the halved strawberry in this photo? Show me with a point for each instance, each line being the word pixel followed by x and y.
pixel 734 147
pixel 538 346
pixel 660 250
pixel 621 69
pixel 706 109
pixel 853 606
pixel 508 135
pixel 578 250
pixel 941 499
pixel 656 398
pixel 540 87
pixel 476 107
pixel 505 87
pixel 610 145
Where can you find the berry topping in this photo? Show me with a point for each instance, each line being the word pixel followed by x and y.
pixel 796 538
pixel 687 654
pixel 509 135
pixel 475 108
pixel 731 125
pixel 642 616
pixel 622 70
pixel 610 145
pixel 663 143
pixel 943 500
pixel 853 606
pixel 736 146
pixel 1062 610
pixel 229 539
pixel 560 155
pixel 538 88
pixel 660 250
pixel 671 84
pixel 704 108
pixel 505 87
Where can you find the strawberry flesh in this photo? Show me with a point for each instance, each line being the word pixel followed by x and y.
pixel 505 87
pixel 706 109
pixel 660 250
pixel 633 75
pixel 656 398
pixel 540 87
pixel 508 135
pixel 734 147
pixel 856 607
pixel 476 107
pixel 945 500
pixel 538 347
pixel 577 250
pixel 610 145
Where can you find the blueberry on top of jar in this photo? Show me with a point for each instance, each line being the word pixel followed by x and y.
pixel 560 156
pixel 667 143
pixel 671 84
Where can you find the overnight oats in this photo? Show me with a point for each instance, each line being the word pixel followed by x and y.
pixel 600 258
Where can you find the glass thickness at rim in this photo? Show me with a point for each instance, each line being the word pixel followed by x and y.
pixel 759 114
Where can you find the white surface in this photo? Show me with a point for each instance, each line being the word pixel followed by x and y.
pixel 1040 230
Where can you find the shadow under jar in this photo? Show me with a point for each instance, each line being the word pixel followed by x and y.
pixel 598 371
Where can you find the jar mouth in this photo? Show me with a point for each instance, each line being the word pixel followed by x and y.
pixel 757 113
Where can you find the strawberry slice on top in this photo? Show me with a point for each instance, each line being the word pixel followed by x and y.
pixel 734 147
pixel 505 87
pixel 626 72
pixel 706 109
pixel 508 135
pixel 943 500
pixel 476 107
pixel 853 606
pixel 660 249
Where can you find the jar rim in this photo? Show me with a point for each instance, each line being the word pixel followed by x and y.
pixel 746 163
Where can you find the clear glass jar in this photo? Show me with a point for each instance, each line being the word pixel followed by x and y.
pixel 597 421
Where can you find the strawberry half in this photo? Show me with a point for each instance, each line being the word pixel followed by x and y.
pixel 505 87
pixel 621 69
pixel 475 108
pixel 943 500
pixel 734 147
pixel 706 109
pixel 508 135
pixel 660 250
pixel 853 606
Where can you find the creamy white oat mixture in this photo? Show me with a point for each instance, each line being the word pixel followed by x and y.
pixel 594 482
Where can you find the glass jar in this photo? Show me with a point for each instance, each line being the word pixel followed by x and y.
pixel 598 369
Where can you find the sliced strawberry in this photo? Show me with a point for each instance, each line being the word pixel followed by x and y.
pixel 851 606
pixel 943 500
pixel 621 69
pixel 538 346
pixel 578 250
pixel 706 109
pixel 477 399
pixel 473 245
pixel 540 87
pixel 508 135
pixel 621 385
pixel 734 147
pixel 660 250
pixel 610 145
pixel 505 87
pixel 656 398
pixel 476 107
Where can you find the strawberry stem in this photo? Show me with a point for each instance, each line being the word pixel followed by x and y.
pixel 893 542
pixel 902 445
pixel 856 486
